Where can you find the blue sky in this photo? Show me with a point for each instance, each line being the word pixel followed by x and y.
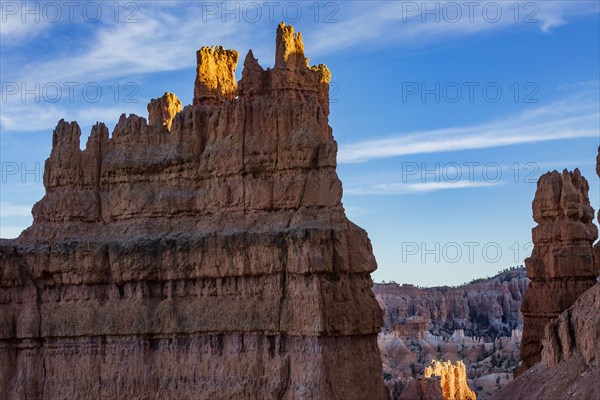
pixel 445 113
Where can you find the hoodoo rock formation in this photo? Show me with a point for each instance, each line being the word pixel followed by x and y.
pixel 561 266
pixel 570 358
pixel 441 380
pixel 423 389
pixel 205 254
pixel 453 379
pixel 162 111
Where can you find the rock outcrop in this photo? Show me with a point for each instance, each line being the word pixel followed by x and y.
pixel 441 380
pixel 423 389
pixel 453 379
pixel 215 75
pixel 561 266
pixel 161 111
pixel 597 246
pixel 570 358
pixel 575 331
pixel 203 255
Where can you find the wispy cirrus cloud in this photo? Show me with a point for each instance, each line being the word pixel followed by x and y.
pixel 572 117
pixel 400 188
pixel 16 117
pixel 10 232
pixel 14 210
pixel 418 23
pixel 164 37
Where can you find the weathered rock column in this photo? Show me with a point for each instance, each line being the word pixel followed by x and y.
pixel 561 266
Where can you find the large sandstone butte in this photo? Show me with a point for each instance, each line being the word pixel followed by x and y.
pixel 203 255
pixel 561 266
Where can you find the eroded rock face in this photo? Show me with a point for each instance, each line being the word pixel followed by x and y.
pixel 441 381
pixel 212 260
pixel 215 75
pixel 570 359
pixel 562 265
pixel 570 346
pixel 423 389
pixel 162 110
pixel 453 379
pixel 597 246
pixel 575 331
pixel 487 308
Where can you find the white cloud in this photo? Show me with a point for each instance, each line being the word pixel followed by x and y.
pixel 165 38
pixel 10 232
pixel 18 27
pixel 397 188
pixel 408 23
pixel 566 119
pixel 17 116
pixel 14 210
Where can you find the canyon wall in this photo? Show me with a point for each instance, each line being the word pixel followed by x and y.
pixel 486 308
pixel 478 324
pixel 561 266
pixel 201 254
pixel 570 365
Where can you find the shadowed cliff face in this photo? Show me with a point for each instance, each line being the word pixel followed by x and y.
pixel 203 254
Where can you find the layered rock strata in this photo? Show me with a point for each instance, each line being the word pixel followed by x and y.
pixel 203 255
pixel 561 266
pixel 486 308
